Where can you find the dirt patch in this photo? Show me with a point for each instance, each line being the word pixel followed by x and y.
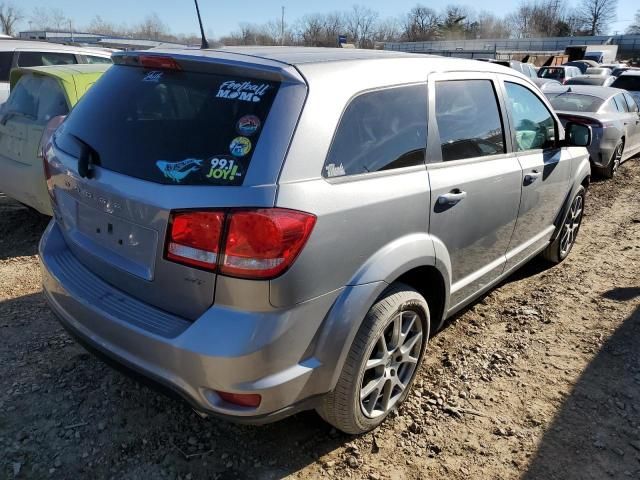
pixel 538 380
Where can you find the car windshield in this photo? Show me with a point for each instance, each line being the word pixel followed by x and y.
pixel 627 82
pixel 551 73
pixel 171 127
pixel 598 71
pixel 574 102
pixel 596 80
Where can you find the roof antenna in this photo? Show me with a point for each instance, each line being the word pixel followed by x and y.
pixel 204 43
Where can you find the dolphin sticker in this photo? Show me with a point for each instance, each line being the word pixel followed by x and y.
pixel 178 171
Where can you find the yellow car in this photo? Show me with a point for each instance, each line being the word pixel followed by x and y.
pixel 40 97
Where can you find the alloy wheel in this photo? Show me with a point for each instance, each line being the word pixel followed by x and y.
pixel 571 226
pixel 391 364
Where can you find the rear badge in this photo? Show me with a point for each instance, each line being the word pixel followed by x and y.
pixel 240 146
pixel 223 168
pixel 248 125
pixel 178 171
pixel 153 76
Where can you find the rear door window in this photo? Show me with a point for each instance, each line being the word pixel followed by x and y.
pixel 37 59
pixel 468 119
pixel 51 100
pixel 23 100
pixel 380 130
pixel 6 59
pixel 622 102
pixel 100 60
pixel 627 82
pixel 171 127
pixel 37 98
pixel 633 106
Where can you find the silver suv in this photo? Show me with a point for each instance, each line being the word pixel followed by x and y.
pixel 267 230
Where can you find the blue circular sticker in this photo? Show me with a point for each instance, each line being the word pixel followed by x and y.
pixel 240 146
pixel 248 125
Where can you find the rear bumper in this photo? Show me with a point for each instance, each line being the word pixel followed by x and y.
pixel 25 183
pixel 223 350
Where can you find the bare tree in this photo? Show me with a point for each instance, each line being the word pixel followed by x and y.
pixel 359 23
pixel 387 30
pixel 421 23
pixel 41 18
pixel 542 18
pixel 318 30
pixel 98 25
pixel 634 28
pixel 9 16
pixel 490 26
pixel 58 20
pixel 597 15
pixel 152 28
pixel 455 21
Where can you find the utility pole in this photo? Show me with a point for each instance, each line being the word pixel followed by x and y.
pixel 71 30
pixel 282 28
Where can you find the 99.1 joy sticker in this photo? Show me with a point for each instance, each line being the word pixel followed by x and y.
pixel 248 125
pixel 240 146
pixel 224 169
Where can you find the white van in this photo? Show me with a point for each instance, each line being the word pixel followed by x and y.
pixel 30 53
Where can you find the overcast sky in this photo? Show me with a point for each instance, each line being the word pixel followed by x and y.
pixel 221 18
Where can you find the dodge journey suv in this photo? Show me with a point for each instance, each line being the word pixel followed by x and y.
pixel 268 230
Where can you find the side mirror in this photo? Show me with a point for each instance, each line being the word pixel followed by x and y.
pixel 577 134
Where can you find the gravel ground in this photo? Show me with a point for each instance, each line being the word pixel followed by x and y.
pixel 540 379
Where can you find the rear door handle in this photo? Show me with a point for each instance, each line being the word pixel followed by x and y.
pixel 531 177
pixel 451 198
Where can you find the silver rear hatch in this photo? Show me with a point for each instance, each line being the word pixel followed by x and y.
pixel 210 134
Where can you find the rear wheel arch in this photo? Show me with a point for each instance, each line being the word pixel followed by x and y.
pixel 430 283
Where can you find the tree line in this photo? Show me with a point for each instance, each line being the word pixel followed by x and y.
pixel 361 25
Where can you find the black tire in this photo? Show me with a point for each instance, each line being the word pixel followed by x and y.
pixel 558 250
pixel 342 407
pixel 614 162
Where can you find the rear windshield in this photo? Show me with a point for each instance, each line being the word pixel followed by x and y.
pixel 572 102
pixel 171 127
pixel 551 73
pixel 627 82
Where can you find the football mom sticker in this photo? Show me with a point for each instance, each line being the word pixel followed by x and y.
pixel 243 91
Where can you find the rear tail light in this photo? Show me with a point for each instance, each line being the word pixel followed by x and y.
pixel 195 238
pixel 47 134
pixel 255 244
pixel 45 140
pixel 582 120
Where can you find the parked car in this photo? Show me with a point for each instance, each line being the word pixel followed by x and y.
pixel 39 95
pixel 613 117
pixel 630 81
pixel 264 234
pixel 526 69
pixel 582 65
pixel 597 80
pixel 30 53
pixel 619 71
pixel 559 73
pixel 598 71
pixel 544 83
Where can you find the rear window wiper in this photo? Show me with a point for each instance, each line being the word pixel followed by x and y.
pixel 87 158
